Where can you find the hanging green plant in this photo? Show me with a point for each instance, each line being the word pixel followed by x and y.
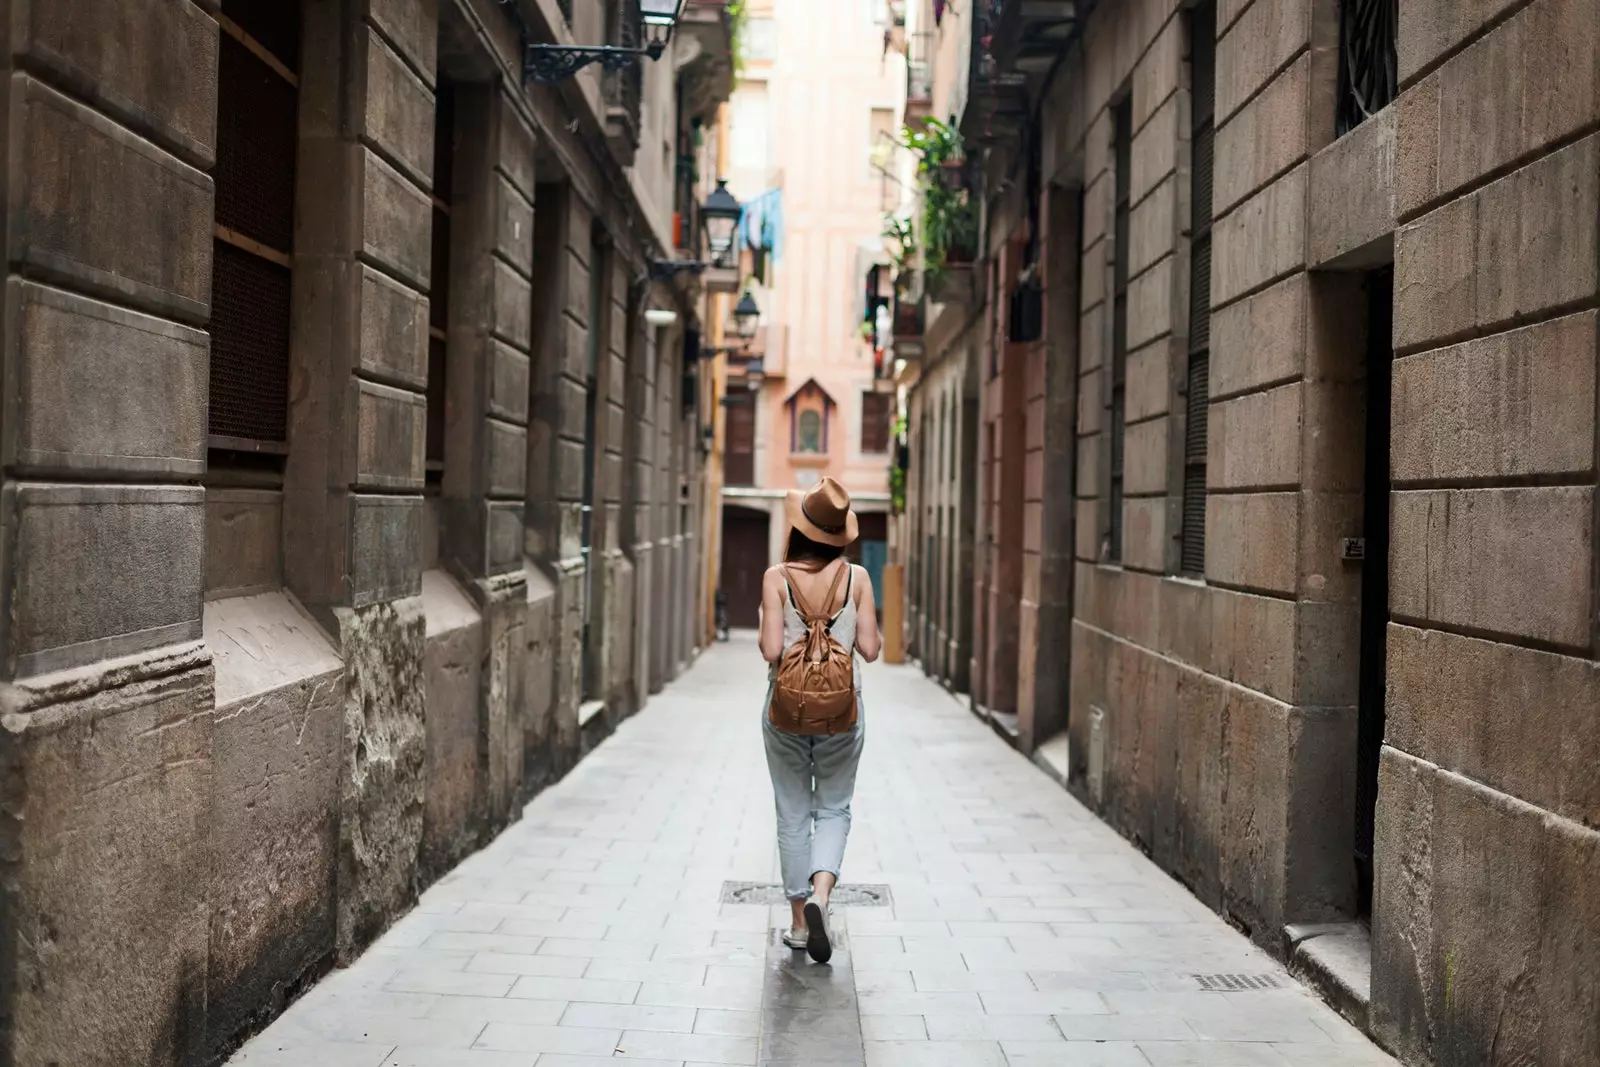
pixel 949 217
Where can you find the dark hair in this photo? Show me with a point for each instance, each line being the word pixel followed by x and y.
pixel 808 554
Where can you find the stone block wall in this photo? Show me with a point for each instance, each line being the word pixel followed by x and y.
pixel 277 703
pixel 1488 834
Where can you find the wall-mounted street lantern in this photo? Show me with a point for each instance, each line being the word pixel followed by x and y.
pixel 719 216
pixel 747 316
pixel 549 63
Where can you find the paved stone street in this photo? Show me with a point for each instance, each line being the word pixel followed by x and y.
pixel 1021 931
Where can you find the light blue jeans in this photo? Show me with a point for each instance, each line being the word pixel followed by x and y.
pixel 813 779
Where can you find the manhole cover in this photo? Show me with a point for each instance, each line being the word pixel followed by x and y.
pixel 846 895
pixel 1235 983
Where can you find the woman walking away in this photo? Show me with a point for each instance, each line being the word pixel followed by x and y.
pixel 818 621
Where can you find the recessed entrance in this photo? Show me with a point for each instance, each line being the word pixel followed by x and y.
pixel 745 533
pixel 1374 554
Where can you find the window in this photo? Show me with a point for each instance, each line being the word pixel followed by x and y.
pixel 875 418
pixel 1203 80
pixel 880 141
pixel 741 440
pixel 749 133
pixel 810 434
pixel 759 41
pixel 439 298
pixel 1368 64
pixel 252 261
pixel 1123 123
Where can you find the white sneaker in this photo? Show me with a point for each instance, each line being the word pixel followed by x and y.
pixel 817 943
pixel 795 939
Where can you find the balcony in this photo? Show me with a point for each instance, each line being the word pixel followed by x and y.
pixel 705 56
pixel 622 90
pixel 909 323
pixel 919 78
pixel 1028 35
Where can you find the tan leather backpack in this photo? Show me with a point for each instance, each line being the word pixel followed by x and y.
pixel 815 690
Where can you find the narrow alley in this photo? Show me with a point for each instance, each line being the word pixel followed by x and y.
pixel 999 922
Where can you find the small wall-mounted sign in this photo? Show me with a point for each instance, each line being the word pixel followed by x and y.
pixel 1353 548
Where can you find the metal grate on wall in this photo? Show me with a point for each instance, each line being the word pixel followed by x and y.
pixel 439 295
pixel 1123 126
pixel 257 133
pixel 1197 386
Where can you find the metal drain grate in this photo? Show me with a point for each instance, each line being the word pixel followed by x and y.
pixel 1235 983
pixel 766 894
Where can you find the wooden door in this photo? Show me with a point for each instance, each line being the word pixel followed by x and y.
pixel 744 561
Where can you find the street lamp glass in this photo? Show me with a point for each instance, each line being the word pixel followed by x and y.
pixel 720 213
pixel 660 12
pixel 747 315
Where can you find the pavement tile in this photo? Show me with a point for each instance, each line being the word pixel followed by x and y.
pixel 1022 930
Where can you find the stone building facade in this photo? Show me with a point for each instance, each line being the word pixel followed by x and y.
pixel 351 492
pixel 1286 456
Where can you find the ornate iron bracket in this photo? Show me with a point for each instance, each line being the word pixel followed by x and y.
pixel 549 63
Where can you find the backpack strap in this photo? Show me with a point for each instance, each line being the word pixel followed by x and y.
pixel 803 606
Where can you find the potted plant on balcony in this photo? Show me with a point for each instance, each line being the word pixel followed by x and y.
pixel 949 217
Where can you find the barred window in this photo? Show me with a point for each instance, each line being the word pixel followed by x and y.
pixel 1203 78
pixel 1123 124
pixel 439 296
pixel 253 248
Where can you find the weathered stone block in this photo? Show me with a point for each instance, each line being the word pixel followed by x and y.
pixel 385 547
pixel 1266 138
pixel 99 571
pixel 396 220
pixel 1153 227
pixel 95 388
pixel 1511 561
pixel 273 827
pixel 1097 194
pixel 512 307
pixel 78 207
pixel 453 815
pixel 508 384
pixel 1154 152
pixel 1092 338
pixel 1327 654
pixel 1569 990
pixel 1152 309
pixel 1435 274
pixel 399 112
pixel 156 69
pixel 569 460
pixel 391 435
pixel 1512 405
pixel 382 791
pixel 1431 29
pixel 1251 540
pixel 1253 441
pixel 1144 533
pixel 1086 529
pixel 507 459
pixel 1094 282
pixel 517 147
pixel 118 780
pixel 414 27
pixel 1500 714
pixel 1260 340
pixel 1403 913
pixel 244 541
pixel 514 230
pixel 1253 641
pixel 394 330
pixel 1145 457
pixel 1261 241
pixel 1265 37
pixel 1538 242
pixel 1148 389
pixel 505 532
pixel 1091 403
pixel 1352 198
pixel 1255 805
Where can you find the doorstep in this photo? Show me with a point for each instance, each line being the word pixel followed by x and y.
pixel 1052 758
pixel 1335 959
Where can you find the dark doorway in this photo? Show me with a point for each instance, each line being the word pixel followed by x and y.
pixel 1374 575
pixel 870 549
pixel 744 561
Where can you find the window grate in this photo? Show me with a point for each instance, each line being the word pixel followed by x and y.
pixel 256 140
pixel 1202 60
pixel 875 415
pixel 249 346
pixel 1368 63
pixel 439 294
pixel 1119 318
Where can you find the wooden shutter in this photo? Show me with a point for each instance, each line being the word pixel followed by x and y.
pixel 741 442
pixel 875 416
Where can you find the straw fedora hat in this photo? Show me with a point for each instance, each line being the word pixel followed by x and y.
pixel 823 513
